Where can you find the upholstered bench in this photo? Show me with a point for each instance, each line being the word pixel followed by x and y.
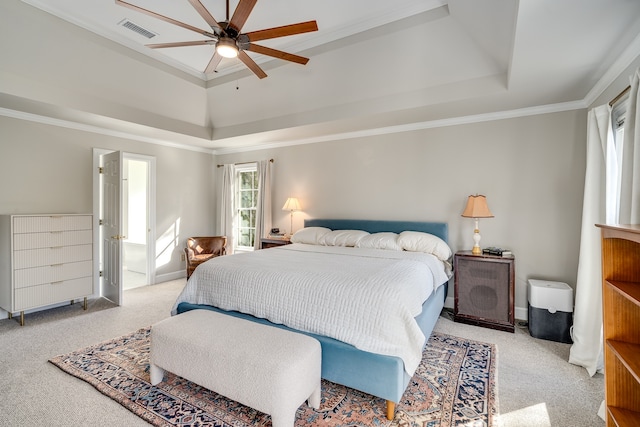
pixel 269 369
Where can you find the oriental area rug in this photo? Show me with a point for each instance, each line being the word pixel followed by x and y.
pixel 453 386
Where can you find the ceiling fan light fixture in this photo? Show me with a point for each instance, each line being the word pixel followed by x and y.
pixel 227 48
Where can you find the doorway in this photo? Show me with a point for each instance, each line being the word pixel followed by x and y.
pixel 137 223
pixel 135 219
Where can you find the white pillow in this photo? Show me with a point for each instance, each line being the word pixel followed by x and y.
pixel 309 235
pixel 386 240
pixel 342 237
pixel 416 241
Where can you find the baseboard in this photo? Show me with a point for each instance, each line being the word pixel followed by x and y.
pixel 5 314
pixel 180 274
pixel 449 302
pixel 521 313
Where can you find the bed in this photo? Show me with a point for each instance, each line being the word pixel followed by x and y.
pixel 369 358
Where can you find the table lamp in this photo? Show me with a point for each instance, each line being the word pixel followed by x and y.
pixel 477 208
pixel 291 205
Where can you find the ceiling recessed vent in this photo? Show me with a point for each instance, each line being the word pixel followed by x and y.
pixel 137 28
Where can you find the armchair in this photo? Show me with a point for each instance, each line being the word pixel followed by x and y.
pixel 201 249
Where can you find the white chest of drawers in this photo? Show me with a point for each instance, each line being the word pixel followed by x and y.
pixel 44 260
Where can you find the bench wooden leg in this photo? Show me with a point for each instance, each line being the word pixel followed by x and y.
pixel 391 409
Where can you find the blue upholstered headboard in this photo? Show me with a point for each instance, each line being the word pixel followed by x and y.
pixel 439 229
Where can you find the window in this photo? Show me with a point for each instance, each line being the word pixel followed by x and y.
pixel 618 114
pixel 246 201
pixel 614 160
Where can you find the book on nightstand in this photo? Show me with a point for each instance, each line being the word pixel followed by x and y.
pixel 491 250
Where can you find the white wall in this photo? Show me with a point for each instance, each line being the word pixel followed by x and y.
pixel 48 169
pixel 531 169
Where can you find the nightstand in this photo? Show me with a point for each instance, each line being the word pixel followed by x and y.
pixel 484 290
pixel 272 242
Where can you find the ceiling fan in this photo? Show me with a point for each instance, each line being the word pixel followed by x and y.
pixel 228 39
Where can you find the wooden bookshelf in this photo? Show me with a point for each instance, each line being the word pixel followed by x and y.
pixel 621 322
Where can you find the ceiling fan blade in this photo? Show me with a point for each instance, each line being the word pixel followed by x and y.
pixel 251 64
pixel 213 63
pixel 242 12
pixel 277 54
pixel 181 44
pixel 199 7
pixel 166 19
pixel 285 30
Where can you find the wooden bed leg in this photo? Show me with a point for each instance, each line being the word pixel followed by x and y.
pixel 391 409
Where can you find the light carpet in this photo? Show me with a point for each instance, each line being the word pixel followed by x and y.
pixel 453 386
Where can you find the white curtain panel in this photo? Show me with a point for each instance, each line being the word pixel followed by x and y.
pixel 586 332
pixel 263 206
pixel 630 180
pixel 227 206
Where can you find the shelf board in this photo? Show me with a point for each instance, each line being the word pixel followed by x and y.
pixel 621 231
pixel 630 290
pixel 628 354
pixel 624 417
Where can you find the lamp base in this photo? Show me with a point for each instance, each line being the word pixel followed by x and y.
pixel 476 240
pixel 291 225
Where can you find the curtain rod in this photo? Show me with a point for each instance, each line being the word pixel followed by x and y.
pixel 246 163
pixel 620 95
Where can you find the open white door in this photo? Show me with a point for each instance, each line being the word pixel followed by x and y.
pixel 111 235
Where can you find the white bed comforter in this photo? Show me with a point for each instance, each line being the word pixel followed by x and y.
pixel 365 297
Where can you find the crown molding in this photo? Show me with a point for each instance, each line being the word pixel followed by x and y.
pixel 38 118
pixel 454 121
pixel 429 124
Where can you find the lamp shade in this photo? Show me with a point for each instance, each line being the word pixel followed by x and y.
pixel 477 207
pixel 291 204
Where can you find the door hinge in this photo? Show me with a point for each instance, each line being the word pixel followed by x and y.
pixel 100 222
pixel 100 169
pixel 100 274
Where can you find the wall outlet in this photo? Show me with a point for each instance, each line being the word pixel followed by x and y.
pixel 182 256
